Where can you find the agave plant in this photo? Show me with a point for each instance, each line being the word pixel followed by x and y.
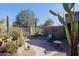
pixel 71 38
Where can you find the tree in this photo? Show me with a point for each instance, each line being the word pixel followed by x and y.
pixel 48 23
pixel 72 37
pixel 26 18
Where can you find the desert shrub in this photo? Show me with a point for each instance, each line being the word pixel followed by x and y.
pixel 38 34
pixel 15 35
pixel 4 39
pixel 2 26
pixel 3 48
pixel 11 47
pixel 20 39
pixel 13 41
pixel 0 43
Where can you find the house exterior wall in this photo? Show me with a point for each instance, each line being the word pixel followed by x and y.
pixel 57 30
pixel 76 17
pixel 76 21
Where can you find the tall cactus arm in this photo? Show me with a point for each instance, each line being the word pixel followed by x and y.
pixel 68 35
pixel 65 6
pixel 61 19
pixel 52 12
pixel 68 6
pixel 71 5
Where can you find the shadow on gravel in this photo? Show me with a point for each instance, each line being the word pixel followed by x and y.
pixel 47 46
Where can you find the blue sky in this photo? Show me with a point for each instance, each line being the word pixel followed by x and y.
pixel 41 11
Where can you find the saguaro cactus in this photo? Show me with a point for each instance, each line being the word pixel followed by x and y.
pixel 7 18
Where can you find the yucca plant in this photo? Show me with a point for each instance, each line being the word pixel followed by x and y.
pixel 70 36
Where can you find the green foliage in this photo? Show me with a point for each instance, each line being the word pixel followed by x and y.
pixel 48 23
pixel 26 18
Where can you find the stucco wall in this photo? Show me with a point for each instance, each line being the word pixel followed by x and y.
pixel 57 30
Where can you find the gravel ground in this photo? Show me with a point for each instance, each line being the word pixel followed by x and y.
pixel 39 47
pixel 22 52
pixel 43 48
